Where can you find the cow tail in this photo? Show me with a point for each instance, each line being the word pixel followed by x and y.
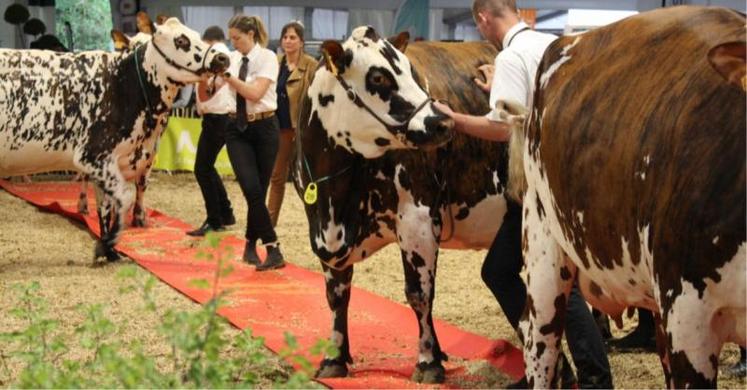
pixel 516 116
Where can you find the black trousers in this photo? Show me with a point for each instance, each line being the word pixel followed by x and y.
pixel 252 153
pixel 212 139
pixel 500 272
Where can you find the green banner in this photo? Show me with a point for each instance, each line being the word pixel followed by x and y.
pixel 178 147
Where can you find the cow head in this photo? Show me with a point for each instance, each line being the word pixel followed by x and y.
pixel 368 101
pixel 181 54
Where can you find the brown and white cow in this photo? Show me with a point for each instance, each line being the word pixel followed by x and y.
pixel 635 164
pixel 96 112
pixel 452 196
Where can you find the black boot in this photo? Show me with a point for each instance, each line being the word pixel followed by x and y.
pixel 250 254
pixel 227 218
pixel 204 229
pixel 274 259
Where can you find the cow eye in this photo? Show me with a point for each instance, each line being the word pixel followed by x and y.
pixel 377 79
pixel 182 42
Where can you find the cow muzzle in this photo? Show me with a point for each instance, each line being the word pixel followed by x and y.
pixel 437 131
pixel 219 63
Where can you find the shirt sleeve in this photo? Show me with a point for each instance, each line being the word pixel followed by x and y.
pixel 509 81
pixel 268 67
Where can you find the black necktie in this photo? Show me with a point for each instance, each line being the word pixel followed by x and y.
pixel 240 101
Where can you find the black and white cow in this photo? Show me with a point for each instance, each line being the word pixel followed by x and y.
pixel 125 44
pixel 635 164
pixel 96 112
pixel 370 193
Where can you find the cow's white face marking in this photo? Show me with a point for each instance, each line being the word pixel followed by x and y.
pixel 545 77
pixel 184 47
pixel 382 78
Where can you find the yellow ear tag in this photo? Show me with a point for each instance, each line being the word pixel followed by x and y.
pixel 309 196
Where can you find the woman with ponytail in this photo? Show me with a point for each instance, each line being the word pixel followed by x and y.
pixel 252 135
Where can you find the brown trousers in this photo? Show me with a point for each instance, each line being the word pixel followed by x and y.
pixel 280 174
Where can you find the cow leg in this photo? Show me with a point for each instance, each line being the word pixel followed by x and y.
pixel 338 283
pixel 117 198
pixel 549 280
pixel 693 350
pixel 419 248
pixel 83 196
pixel 138 212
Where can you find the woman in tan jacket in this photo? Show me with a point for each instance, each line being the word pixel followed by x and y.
pixel 296 70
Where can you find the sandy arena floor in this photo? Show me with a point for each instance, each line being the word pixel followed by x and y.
pixel 48 248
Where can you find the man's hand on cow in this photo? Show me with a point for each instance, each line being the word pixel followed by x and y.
pixel 487 70
pixel 444 108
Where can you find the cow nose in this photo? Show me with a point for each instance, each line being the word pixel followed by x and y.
pixel 438 124
pixel 219 63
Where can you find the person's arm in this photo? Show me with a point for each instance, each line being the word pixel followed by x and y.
pixel 477 126
pixel 265 74
pixel 251 91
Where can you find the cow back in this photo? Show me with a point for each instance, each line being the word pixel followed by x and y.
pixel 632 120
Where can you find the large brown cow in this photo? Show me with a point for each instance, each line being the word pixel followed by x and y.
pixel 452 197
pixel 635 167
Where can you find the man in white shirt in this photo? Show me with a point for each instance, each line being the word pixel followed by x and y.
pixel 513 84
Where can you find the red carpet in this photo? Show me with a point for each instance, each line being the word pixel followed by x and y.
pixel 383 334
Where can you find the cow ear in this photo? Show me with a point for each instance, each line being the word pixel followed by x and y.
pixel 729 61
pixel 332 52
pixel 144 24
pixel 400 40
pixel 121 42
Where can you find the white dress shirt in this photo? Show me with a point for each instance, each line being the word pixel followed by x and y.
pixel 516 66
pixel 223 100
pixel 262 63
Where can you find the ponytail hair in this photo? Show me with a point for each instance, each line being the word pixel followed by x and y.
pixel 245 24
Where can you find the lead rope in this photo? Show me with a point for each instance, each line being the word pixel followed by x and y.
pixel 149 121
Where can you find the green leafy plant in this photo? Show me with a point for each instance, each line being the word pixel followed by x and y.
pixel 201 355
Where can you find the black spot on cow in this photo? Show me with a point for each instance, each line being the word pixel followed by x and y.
pixel 417 261
pixel 404 179
pixel 400 109
pixel 380 81
pixel 324 100
pixel 462 214
pixel 540 207
pixel 632 282
pixel 565 274
pixel 540 349
pixel 339 235
pixel 382 141
pixel 339 134
pixel 198 58
pixel 371 34
pixel 557 324
pixel 390 54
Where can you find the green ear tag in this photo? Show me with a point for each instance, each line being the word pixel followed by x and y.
pixel 309 196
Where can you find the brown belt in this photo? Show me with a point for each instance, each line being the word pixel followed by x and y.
pixel 254 116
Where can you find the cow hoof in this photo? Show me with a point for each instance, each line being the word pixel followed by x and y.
pixel 138 222
pixel 106 252
pixel 331 369
pixel 429 373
